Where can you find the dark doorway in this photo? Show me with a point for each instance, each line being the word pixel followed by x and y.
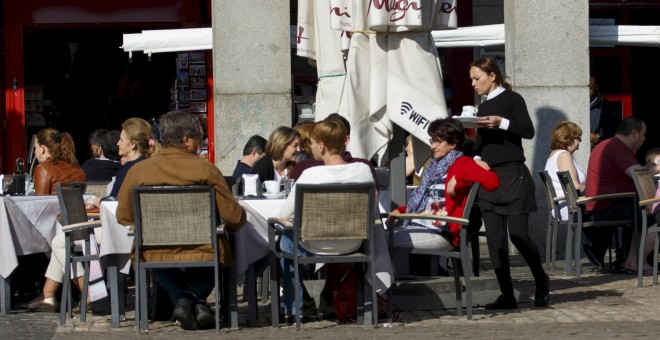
pixel 87 82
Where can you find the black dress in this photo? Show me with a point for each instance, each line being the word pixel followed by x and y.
pixel 503 151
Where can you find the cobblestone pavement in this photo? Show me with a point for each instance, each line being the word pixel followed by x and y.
pixel 599 304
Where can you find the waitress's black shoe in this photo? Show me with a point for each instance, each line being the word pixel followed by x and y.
pixel 542 296
pixel 503 302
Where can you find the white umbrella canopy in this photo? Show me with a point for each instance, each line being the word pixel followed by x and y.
pixel 393 71
pixel 316 40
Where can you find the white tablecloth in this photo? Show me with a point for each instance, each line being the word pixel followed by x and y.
pixel 251 242
pixel 27 226
pixel 115 240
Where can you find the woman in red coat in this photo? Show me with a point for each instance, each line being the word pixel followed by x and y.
pixel 447 166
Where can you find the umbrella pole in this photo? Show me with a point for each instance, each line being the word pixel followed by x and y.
pixel 397 157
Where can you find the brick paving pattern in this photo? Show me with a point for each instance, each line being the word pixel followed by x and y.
pixel 599 304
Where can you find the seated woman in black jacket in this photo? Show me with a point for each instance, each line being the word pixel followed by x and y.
pixel 281 150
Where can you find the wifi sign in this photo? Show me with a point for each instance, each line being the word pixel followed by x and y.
pixel 405 108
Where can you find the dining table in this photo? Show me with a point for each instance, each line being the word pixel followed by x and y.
pixel 116 244
pixel 28 225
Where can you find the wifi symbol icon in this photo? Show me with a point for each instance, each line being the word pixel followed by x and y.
pixel 405 108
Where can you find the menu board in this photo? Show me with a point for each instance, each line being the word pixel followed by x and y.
pixel 190 90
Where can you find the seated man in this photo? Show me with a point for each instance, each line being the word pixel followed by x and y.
pixel 610 170
pixel 252 152
pixel 178 164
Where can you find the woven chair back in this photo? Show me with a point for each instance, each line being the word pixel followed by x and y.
pixel 550 193
pixel 570 193
pixel 72 203
pixel 645 184
pixel 335 213
pixel 172 217
pixel 97 188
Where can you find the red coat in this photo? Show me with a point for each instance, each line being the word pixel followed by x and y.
pixel 466 171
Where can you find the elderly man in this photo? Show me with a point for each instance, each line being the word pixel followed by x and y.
pixel 611 167
pixel 178 164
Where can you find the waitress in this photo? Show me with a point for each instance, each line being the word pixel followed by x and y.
pixel 498 145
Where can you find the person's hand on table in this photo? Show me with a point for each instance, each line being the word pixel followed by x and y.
pixel 93 203
pixel 490 122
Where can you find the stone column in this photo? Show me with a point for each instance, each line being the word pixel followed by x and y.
pixel 251 73
pixel 547 60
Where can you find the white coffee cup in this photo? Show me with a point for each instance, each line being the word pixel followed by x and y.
pixel 469 111
pixel 272 187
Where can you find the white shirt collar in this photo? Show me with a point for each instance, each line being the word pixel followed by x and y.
pixel 495 93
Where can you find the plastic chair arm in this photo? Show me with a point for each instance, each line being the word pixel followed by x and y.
pixel 280 224
pixel 583 199
pixel 407 216
pixel 81 226
pixel 649 201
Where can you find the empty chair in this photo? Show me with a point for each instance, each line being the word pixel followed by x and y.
pixel 76 227
pixel 554 219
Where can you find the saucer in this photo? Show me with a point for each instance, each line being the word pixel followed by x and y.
pixel 277 195
pixel 468 121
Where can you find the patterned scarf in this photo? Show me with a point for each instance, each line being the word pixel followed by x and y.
pixel 433 175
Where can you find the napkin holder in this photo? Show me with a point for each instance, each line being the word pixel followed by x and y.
pixel 251 185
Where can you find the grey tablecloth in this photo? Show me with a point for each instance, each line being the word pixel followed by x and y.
pixel 27 226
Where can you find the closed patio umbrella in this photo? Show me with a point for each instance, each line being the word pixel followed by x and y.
pixel 393 71
pixel 316 40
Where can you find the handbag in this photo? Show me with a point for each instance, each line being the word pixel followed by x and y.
pixel 345 299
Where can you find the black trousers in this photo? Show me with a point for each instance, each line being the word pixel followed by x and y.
pixel 597 240
pixel 498 228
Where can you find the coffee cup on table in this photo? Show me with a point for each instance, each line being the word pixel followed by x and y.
pixel 272 187
pixel 469 111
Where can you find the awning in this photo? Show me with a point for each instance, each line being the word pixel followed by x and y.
pixel 493 35
pixel 175 40
pixel 193 39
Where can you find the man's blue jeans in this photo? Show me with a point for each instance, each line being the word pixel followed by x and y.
pixel 286 245
pixel 196 283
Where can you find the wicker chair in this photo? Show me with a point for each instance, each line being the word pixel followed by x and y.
pixel 575 203
pixel 328 212
pixel 97 188
pixel 168 216
pixel 462 253
pixel 553 221
pixel 646 188
pixel 76 227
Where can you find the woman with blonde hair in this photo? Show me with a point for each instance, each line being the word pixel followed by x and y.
pixel 134 144
pixel 56 154
pixel 565 139
pixel 281 149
